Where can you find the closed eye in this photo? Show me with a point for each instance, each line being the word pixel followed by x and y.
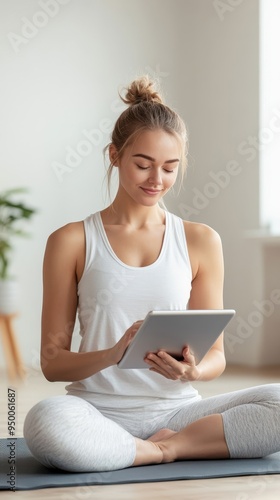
pixel 146 168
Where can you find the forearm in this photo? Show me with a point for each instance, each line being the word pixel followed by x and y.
pixel 69 366
pixel 212 365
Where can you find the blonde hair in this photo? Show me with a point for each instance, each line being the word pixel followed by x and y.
pixel 146 111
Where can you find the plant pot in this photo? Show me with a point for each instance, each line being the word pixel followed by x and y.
pixel 9 296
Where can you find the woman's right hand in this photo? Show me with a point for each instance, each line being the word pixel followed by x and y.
pixel 120 347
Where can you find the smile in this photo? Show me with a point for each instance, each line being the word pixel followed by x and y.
pixel 151 191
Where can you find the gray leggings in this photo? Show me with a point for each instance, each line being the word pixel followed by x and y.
pixel 69 433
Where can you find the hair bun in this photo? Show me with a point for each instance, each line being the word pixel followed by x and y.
pixel 141 90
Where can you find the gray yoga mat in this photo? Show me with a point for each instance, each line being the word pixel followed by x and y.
pixel 30 474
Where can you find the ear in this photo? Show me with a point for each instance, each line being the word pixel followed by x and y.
pixel 113 155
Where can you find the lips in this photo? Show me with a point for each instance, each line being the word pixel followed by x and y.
pixel 151 191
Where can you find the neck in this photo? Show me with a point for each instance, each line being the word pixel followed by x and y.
pixel 130 213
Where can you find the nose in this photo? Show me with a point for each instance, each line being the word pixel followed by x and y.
pixel 155 178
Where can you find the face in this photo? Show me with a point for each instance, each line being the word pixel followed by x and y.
pixel 148 167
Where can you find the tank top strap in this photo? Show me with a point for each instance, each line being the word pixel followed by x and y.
pixel 177 237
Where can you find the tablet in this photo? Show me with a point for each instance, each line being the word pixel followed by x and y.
pixel 171 331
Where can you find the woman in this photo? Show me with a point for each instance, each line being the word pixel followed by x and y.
pixel 114 267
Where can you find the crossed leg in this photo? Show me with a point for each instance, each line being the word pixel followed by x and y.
pixel 67 432
pixel 239 424
pixel 203 439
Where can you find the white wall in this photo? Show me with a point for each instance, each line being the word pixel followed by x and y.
pixel 63 80
pixel 219 95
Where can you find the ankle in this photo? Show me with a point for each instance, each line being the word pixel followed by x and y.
pixel 147 452
pixel 167 450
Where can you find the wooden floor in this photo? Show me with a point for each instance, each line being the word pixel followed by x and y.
pixel 35 388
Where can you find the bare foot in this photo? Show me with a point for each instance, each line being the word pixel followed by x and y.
pixel 157 449
pixel 163 434
pixel 147 452
pixel 202 439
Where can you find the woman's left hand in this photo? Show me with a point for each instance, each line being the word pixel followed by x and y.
pixel 170 368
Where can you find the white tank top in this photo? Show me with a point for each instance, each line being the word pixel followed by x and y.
pixel 112 296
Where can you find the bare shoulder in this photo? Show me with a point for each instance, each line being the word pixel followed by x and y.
pixel 200 234
pixel 70 233
pixel 204 245
pixel 66 248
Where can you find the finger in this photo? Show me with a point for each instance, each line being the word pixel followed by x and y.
pixel 135 326
pixel 165 363
pixel 155 362
pixel 170 361
pixel 163 369
pixel 188 355
pixel 186 351
pixel 160 359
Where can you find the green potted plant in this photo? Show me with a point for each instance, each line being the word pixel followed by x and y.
pixel 12 213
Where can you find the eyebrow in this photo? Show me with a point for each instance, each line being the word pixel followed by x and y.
pixel 153 159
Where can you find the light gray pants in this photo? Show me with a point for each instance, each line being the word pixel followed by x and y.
pixel 69 433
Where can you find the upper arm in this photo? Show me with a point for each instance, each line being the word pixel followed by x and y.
pixel 63 254
pixel 206 255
